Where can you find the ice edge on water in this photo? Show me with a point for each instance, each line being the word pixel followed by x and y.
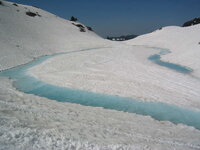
pixel 157 110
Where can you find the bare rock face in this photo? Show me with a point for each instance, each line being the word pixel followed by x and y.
pixel 192 22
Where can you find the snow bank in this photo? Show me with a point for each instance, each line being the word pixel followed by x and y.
pixel 122 70
pixel 24 37
pixel 184 43
pixel 30 122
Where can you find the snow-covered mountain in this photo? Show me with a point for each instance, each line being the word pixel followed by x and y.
pixel 24 37
pixel 33 122
pixel 183 42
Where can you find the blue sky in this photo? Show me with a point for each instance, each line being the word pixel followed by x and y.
pixel 122 17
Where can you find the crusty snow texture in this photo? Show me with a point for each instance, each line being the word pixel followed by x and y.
pixel 28 122
pixel 124 71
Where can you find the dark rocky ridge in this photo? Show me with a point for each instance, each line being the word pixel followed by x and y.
pixel 192 22
pixel 122 38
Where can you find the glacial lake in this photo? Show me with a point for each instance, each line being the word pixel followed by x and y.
pixel 159 111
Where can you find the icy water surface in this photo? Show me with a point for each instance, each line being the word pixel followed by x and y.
pixel 158 111
pixel 157 59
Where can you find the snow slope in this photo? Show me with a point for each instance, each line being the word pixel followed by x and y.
pixel 183 42
pixel 22 37
pixel 121 70
pixel 31 122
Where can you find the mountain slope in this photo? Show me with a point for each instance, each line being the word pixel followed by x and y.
pixel 24 37
pixel 31 122
pixel 182 42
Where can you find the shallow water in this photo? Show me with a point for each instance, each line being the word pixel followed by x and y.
pixel 157 59
pixel 159 111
